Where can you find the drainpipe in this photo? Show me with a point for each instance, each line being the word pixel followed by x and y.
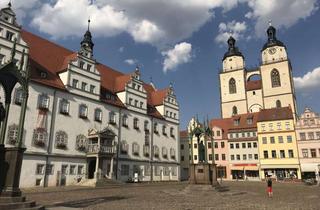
pixel 49 147
pixel 118 145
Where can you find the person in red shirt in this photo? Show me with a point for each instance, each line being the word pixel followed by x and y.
pixel 269 187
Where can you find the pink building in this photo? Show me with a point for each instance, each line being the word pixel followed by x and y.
pixel 221 155
pixel 308 136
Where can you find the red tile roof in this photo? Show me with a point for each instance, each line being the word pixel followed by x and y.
pixel 243 124
pixel 184 134
pixel 254 85
pixel 46 56
pixel 224 124
pixel 283 113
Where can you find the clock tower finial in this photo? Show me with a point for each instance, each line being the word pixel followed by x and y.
pixel 86 43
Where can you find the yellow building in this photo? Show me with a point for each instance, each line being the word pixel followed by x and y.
pixel 277 144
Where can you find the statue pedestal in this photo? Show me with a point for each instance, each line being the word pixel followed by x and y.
pixel 200 173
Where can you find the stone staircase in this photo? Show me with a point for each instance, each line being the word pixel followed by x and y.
pixel 18 203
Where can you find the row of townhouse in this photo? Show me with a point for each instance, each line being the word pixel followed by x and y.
pixel 255 145
pixel 85 120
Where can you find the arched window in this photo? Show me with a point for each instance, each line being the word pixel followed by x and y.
pixel 275 78
pixel 234 110
pixel 40 137
pixel 278 104
pixel 232 86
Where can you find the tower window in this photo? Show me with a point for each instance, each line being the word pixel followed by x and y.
pixel 278 104
pixel 232 86
pixel 9 35
pixel 275 78
pixel 234 110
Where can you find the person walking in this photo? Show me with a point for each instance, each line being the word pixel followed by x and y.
pixel 269 187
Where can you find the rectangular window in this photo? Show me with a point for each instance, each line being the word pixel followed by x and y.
pixel 195 145
pixel 243 135
pixel 209 145
pixel 39 169
pixel 305 153
pixel 272 141
pixel 318 135
pixel 313 153
pixel 289 139
pixel 215 144
pixel 182 146
pixel 256 157
pixel 210 156
pixel 88 67
pixel 49 169
pixel 264 140
pixel 249 121
pixel 222 144
pixel 282 154
pixel 249 144
pixel 255 145
pixel 80 169
pixel 141 104
pixel 263 127
pixel 310 135
pixel 216 156
pixel 9 36
pixel 236 122
pixel 237 145
pixel 244 157
pixel 274 154
pixel 271 126
pixel 81 64
pixel 302 136
pixel 265 154
pixel 218 133
pixel 75 83
pixel 64 169
pixel 290 151
pixel 238 157
pixel 231 146
pixel 232 157
pixel 84 86
pixel 182 158
pixel 280 139
pixel 130 101
pixel 250 156
pixel 124 170
pixel 92 87
pixel 279 125
pixel 223 156
pixel 244 145
pixel 195 157
pixel 288 125
pixel 72 169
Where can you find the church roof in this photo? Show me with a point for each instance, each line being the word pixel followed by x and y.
pixel 49 57
pixel 253 85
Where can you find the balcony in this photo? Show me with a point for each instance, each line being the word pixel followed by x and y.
pixel 100 149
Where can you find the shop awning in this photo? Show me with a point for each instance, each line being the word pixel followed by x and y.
pixel 278 166
pixel 311 167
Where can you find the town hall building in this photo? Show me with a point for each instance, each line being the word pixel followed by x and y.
pixel 85 120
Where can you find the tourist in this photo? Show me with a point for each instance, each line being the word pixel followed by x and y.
pixel 269 187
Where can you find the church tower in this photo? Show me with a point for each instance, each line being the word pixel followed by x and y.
pixel 276 74
pixel 232 82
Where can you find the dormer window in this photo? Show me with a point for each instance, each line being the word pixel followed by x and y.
pixel 88 67
pixel 236 122
pixel 9 36
pixel 249 121
pixel 43 75
pixel 64 106
pixel 81 64
pixel 43 101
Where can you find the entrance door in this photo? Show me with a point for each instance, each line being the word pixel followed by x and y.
pixel 91 168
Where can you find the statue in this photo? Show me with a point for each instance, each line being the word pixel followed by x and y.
pixel 201 152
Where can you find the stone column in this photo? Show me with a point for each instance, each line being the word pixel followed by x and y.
pixel 111 169
pixel 97 168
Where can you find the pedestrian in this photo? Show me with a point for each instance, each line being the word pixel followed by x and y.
pixel 269 187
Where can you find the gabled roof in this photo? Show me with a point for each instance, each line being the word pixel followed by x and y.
pixel 49 57
pixel 283 113
pixel 243 122
pixel 224 124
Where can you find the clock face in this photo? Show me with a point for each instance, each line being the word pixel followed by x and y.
pixel 272 50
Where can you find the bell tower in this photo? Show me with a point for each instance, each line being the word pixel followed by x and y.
pixel 232 82
pixel 276 74
pixel 87 44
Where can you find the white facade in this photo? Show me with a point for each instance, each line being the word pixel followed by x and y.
pixel 63 124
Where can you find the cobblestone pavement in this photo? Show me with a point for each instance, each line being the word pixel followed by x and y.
pixel 176 196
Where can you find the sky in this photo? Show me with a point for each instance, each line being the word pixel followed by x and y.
pixel 183 41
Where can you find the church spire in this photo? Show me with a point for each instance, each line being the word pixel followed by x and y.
pixel 86 43
pixel 232 50
pixel 272 38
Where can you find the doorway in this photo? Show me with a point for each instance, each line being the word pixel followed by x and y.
pixel 91 168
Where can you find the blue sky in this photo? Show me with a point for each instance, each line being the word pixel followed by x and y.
pixel 183 41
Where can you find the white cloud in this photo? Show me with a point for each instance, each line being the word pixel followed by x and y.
pixel 22 8
pixel 157 22
pixel 180 54
pixel 233 28
pixel 284 13
pixel 121 49
pixel 308 81
pixel 131 61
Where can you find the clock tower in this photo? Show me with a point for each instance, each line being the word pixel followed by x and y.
pixel 276 74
